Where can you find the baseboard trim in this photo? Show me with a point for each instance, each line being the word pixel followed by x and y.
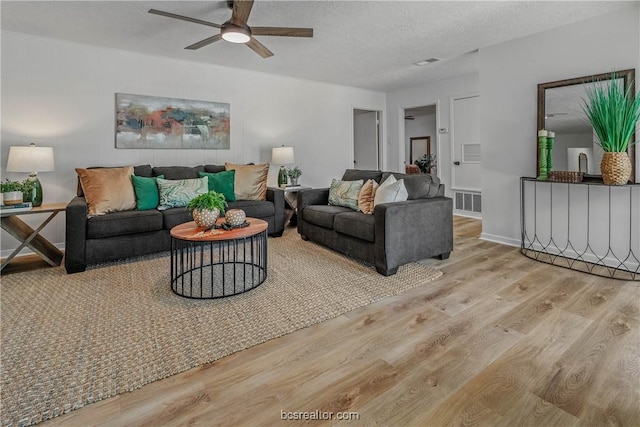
pixel 500 239
pixel 4 254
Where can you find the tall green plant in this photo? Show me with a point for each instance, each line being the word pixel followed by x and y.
pixel 613 113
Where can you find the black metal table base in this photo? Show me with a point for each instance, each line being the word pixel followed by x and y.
pixel 594 237
pixel 218 269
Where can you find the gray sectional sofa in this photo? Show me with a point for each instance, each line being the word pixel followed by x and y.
pixel 396 233
pixel 138 232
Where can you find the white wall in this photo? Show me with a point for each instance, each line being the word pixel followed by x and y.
pixel 62 94
pixel 509 75
pixel 439 93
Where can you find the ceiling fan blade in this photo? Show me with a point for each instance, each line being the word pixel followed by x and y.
pixel 183 18
pixel 241 11
pixel 282 31
pixel 259 48
pixel 204 42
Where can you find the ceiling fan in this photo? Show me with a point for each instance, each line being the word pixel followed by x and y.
pixel 236 29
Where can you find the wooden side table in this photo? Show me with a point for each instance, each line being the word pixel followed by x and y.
pixel 32 238
pixel 291 199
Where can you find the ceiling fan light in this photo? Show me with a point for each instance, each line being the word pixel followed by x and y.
pixel 236 34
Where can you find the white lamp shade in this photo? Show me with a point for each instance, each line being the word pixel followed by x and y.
pixel 30 159
pixel 282 155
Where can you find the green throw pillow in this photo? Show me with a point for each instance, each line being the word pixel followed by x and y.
pixel 176 193
pixel 146 190
pixel 222 182
pixel 345 193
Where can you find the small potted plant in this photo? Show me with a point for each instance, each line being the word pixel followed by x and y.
pixel 13 191
pixel 426 163
pixel 613 113
pixel 206 208
pixel 294 174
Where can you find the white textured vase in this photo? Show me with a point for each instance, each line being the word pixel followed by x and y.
pixel 205 218
pixel 12 198
pixel 235 217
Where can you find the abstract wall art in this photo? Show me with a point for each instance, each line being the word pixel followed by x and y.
pixel 156 122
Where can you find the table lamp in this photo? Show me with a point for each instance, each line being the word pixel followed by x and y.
pixel 31 159
pixel 282 156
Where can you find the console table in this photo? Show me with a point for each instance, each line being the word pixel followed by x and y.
pixel 588 226
pixel 32 238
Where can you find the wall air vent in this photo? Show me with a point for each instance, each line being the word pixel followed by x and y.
pixel 427 61
pixel 468 202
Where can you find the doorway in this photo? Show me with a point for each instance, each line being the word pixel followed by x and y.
pixel 366 139
pixel 420 132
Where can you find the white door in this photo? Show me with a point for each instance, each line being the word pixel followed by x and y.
pixel 466 177
pixel 366 131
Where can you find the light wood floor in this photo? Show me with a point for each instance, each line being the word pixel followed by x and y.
pixel 499 340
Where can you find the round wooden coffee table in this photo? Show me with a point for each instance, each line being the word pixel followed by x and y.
pixel 218 263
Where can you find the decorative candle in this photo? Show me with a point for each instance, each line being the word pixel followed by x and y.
pixel 542 155
pixel 550 139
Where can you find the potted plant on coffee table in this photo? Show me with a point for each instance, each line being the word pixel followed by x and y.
pixel 613 113
pixel 206 208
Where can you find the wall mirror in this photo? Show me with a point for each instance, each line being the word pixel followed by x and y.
pixel 560 111
pixel 420 145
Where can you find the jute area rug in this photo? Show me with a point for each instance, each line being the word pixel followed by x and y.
pixel 70 340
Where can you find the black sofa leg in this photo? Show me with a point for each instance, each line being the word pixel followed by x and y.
pixel 305 238
pixel 389 272
pixel 444 255
pixel 75 268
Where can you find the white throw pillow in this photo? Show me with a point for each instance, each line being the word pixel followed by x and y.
pixel 391 190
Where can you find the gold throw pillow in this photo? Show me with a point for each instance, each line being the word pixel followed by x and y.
pixel 250 181
pixel 107 189
pixel 367 196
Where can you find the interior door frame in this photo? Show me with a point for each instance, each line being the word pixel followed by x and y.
pixel 380 145
pixel 454 155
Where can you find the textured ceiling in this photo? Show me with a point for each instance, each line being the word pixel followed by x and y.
pixel 367 44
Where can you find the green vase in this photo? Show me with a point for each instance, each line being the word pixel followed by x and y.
pixel 282 177
pixel 36 191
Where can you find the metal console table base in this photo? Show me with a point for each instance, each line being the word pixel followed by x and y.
pixel 542 246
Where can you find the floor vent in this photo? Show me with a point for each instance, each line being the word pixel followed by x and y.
pixel 470 202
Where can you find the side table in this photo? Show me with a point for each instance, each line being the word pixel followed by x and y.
pixel 291 199
pixel 32 238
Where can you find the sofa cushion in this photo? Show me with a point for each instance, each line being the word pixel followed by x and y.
pixel 179 192
pixel 222 182
pixel 178 172
pixel 175 216
pixel 107 189
pixel 323 215
pixel 356 224
pixel 391 190
pixel 146 189
pixel 120 223
pixel 214 168
pixel 141 170
pixel 250 181
pixel 356 174
pixel 419 186
pixel 254 208
pixel 345 193
pixel 367 196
